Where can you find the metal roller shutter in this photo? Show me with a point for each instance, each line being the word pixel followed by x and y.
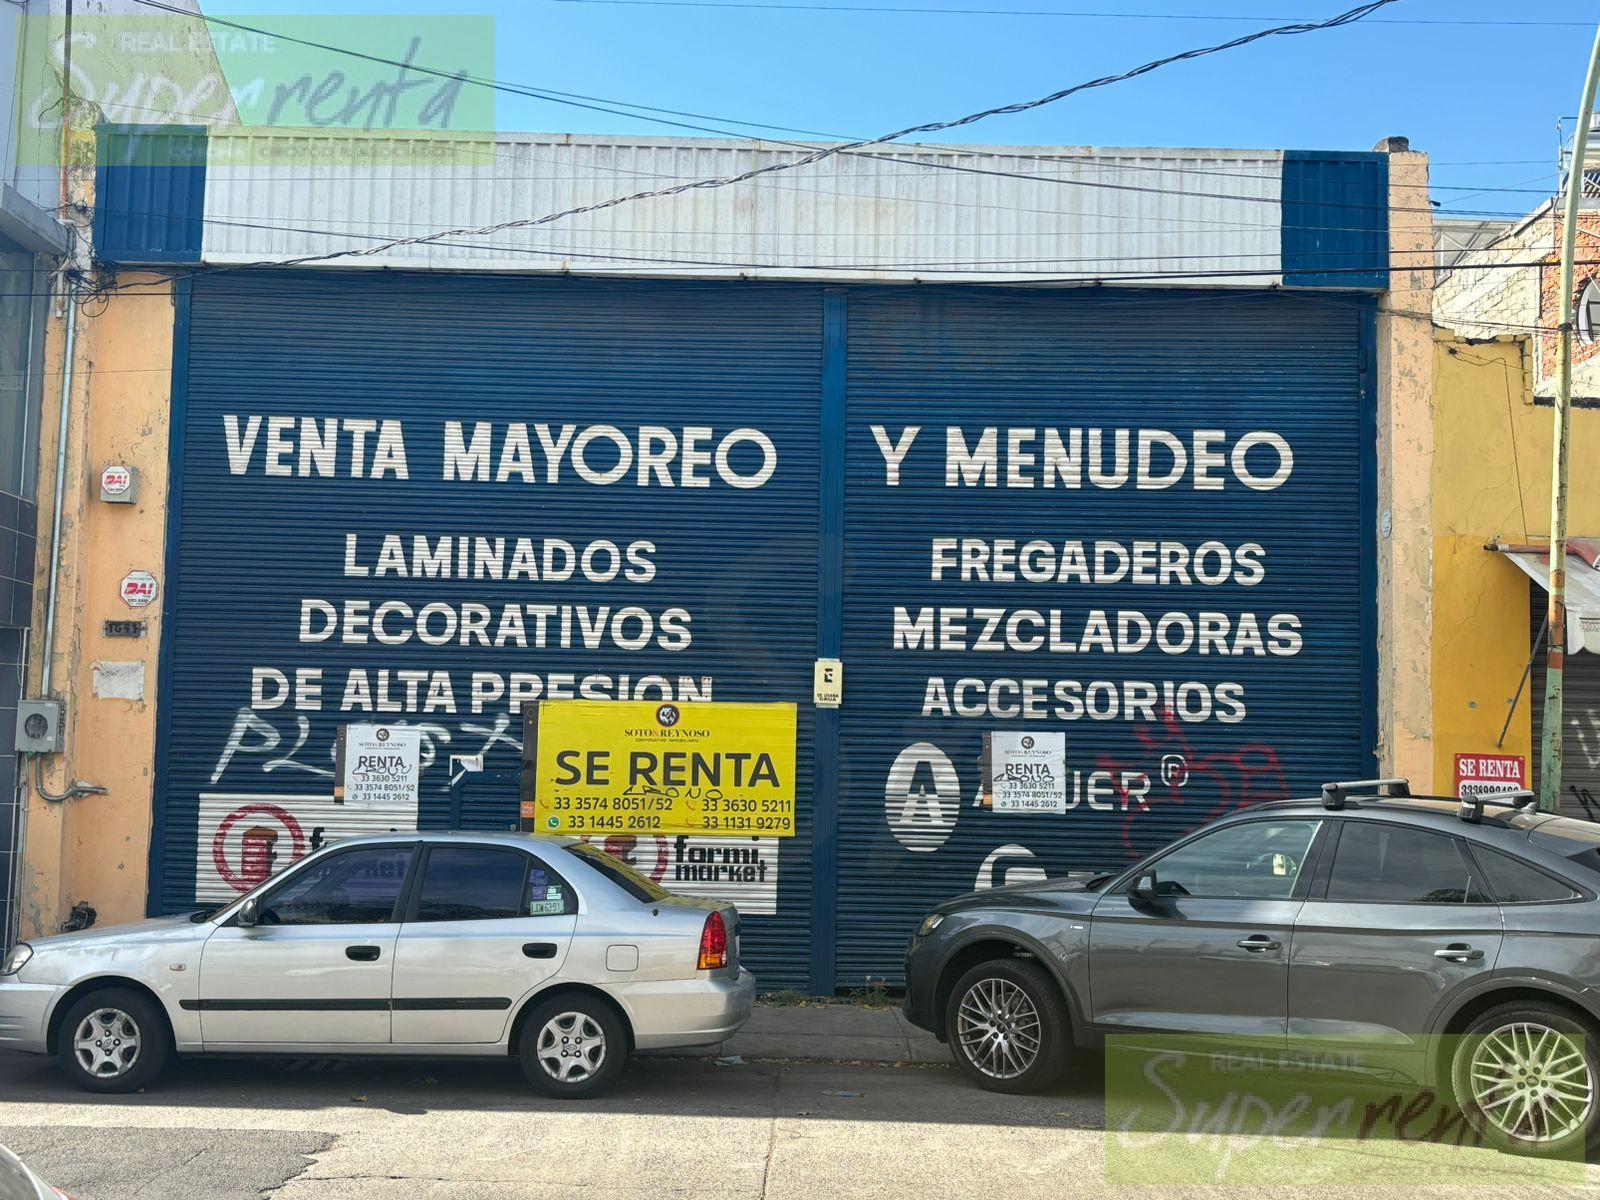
pixel 1254 726
pixel 247 548
pixel 1580 704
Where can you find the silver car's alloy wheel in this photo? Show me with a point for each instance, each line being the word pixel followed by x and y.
pixel 107 1043
pixel 571 1047
pixel 999 1028
pixel 1532 1082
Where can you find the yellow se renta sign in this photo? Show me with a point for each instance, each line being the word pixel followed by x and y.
pixel 610 767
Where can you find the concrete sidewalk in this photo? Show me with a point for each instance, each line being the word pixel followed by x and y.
pixel 839 1033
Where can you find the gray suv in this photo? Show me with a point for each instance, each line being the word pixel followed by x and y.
pixel 1367 919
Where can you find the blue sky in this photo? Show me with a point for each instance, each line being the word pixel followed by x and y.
pixel 1482 99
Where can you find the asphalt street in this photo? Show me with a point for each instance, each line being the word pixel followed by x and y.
pixel 234 1130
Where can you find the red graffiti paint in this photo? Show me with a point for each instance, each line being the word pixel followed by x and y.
pixel 633 851
pixel 1211 785
pixel 255 853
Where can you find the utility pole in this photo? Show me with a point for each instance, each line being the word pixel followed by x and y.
pixel 1561 455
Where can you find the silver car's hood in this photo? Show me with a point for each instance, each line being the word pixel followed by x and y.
pixel 133 930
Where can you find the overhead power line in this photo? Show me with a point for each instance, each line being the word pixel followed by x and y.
pixel 642 111
pixel 814 156
pixel 636 111
pixel 1393 259
pixel 1331 276
pixel 1071 14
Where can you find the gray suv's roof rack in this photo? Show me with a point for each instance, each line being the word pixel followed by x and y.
pixel 1334 795
pixel 1520 799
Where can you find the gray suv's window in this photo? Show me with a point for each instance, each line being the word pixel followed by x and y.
pixel 1259 860
pixel 1515 882
pixel 357 887
pixel 1396 864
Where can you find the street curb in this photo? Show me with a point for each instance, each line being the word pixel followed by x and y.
pixel 840 1034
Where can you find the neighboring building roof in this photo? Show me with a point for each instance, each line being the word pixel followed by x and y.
pixel 1457 237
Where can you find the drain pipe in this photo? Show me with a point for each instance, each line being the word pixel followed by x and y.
pixel 78 787
pixel 60 481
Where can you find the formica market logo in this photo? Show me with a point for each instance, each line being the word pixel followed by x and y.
pixel 667 716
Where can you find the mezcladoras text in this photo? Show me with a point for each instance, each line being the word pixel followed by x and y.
pixel 513 453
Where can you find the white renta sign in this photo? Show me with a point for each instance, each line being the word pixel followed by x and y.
pixel 382 766
pixel 1029 771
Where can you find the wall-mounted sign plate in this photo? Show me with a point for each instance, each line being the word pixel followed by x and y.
pixel 139 589
pixel 119 484
pixel 827 683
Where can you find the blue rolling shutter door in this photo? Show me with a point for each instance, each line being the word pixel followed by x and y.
pixel 1103 359
pixel 249 548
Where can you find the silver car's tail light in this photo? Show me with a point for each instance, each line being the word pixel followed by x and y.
pixel 714 943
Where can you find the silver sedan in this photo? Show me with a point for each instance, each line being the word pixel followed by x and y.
pixel 413 944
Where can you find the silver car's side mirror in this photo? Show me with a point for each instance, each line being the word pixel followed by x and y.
pixel 250 913
pixel 1143 888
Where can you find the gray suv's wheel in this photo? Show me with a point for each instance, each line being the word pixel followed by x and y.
pixel 113 1040
pixel 1527 1075
pixel 572 1045
pixel 1007 1027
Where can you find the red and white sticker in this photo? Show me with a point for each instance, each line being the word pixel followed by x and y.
pixel 1482 774
pixel 115 480
pixel 139 589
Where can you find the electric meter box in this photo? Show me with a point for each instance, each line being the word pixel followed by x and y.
pixel 39 726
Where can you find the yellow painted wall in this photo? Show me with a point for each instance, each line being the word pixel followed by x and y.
pixel 96 849
pixel 1490 482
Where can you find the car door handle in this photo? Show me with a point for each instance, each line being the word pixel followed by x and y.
pixel 1258 941
pixel 539 949
pixel 362 953
pixel 1459 952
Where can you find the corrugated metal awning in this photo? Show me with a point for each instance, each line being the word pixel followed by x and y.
pixel 1583 584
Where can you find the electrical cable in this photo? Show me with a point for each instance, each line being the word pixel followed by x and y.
pixel 1048 12
pixel 1346 18
pixel 615 107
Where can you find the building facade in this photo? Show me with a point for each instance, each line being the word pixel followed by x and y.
pixel 1107 444
pixel 1498 308
pixel 33 244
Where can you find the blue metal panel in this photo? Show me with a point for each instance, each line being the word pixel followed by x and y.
pixel 161 889
pixel 247 548
pixel 1367 309
pixel 1252 725
pixel 830 580
pixel 813 563
pixel 150 193
pixel 1336 220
